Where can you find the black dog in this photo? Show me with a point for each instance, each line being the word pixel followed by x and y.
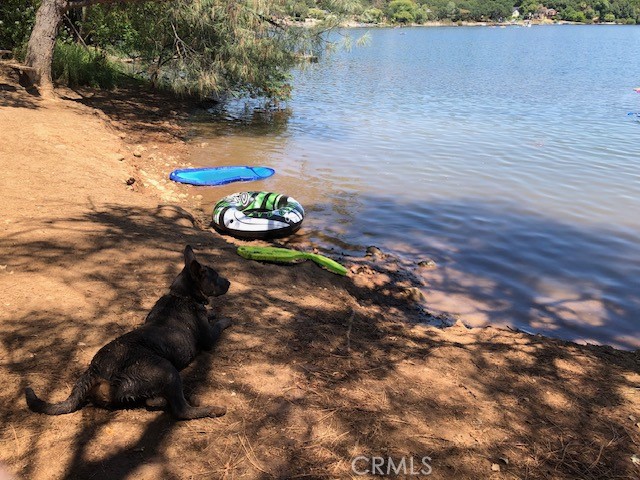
pixel 143 365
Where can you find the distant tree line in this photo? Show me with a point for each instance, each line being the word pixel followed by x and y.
pixel 421 11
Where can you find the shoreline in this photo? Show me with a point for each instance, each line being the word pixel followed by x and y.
pixel 352 24
pixel 315 370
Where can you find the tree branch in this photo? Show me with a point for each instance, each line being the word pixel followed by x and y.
pixel 267 19
pixel 70 23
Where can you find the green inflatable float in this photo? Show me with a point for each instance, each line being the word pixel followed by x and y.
pixel 285 255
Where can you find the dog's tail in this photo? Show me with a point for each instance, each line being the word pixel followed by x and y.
pixel 85 383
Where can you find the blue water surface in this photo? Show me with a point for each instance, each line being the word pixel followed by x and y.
pixel 505 154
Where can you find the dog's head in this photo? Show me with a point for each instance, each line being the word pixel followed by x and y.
pixel 201 281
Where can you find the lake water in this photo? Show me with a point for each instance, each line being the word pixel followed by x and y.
pixel 506 155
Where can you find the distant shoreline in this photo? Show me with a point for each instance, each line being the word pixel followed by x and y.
pixel 354 24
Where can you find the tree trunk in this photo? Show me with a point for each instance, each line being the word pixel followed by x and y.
pixel 42 43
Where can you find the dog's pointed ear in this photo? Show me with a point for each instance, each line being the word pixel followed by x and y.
pixel 193 266
pixel 189 256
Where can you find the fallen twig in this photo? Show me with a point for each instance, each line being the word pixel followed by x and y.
pixel 350 324
pixel 254 463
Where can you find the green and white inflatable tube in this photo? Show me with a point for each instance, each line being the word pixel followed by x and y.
pixel 258 215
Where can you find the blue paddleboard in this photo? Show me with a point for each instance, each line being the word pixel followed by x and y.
pixel 220 175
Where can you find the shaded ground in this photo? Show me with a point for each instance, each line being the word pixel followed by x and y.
pixel 316 369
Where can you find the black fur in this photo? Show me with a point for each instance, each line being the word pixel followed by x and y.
pixel 144 364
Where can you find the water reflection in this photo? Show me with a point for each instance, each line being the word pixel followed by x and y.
pixel 241 117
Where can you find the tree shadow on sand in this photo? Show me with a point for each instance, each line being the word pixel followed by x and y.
pixel 10 98
pixel 13 93
pixel 151 113
pixel 313 372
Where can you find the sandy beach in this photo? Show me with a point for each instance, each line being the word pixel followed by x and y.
pixel 322 375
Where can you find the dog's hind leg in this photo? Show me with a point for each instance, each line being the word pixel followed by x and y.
pixel 179 406
pixel 160 384
pixel 160 403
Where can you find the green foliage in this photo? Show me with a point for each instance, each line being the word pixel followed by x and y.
pixel 16 22
pixel 201 47
pixel 571 15
pixel 448 11
pixel 491 9
pixel 75 65
pixel 589 13
pixel 529 8
pixel 494 10
pixel 402 11
pixel 372 15
pixel 211 46
pixel 297 10
pixel 119 29
pixel 191 47
pixel 317 14
pixel 423 14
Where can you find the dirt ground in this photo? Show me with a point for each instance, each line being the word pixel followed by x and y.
pixel 323 376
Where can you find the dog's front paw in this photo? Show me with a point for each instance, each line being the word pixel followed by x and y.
pixel 217 411
pixel 224 323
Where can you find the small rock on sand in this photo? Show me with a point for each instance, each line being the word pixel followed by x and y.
pixel 414 294
pixel 373 251
pixel 428 264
